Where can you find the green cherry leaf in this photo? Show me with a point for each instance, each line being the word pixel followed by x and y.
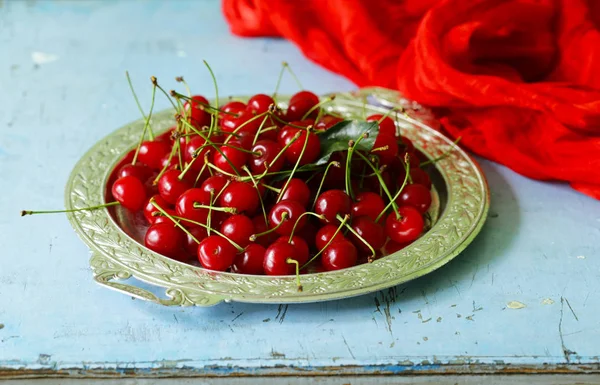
pixel 337 137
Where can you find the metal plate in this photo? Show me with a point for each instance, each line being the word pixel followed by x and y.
pixel 462 204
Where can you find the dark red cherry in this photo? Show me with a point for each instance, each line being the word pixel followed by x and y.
pixel 244 138
pixel 391 247
pixel 130 192
pixel 216 183
pixel 302 251
pixel 196 113
pixel 325 233
pixel 311 151
pixel 238 228
pixel 150 209
pixel 418 176
pixel 413 158
pixel 332 203
pixel 233 107
pixel 307 95
pixel 164 219
pixel 195 147
pixel 170 187
pixel 406 145
pixel 284 226
pixel 259 103
pixel 166 239
pixel 406 228
pixel 370 231
pixel 276 256
pixel 166 136
pixel 231 158
pixel 369 204
pixel 250 261
pixel 388 142
pixel 260 226
pixel 216 253
pixel 241 196
pixel 191 247
pixel 296 190
pixel 138 170
pixel 152 153
pixel 417 196
pixel 300 107
pixel 326 122
pixel 185 205
pixel 386 126
pixel 246 121
pixel 339 255
pixel 265 151
pixel 287 132
pixel 308 232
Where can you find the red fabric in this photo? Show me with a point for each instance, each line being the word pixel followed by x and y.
pixel 518 80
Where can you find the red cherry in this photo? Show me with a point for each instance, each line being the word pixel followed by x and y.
pixel 308 233
pixel 194 109
pixel 216 183
pixel 331 203
pixel 299 107
pixel 413 158
pixel 244 139
pixel 294 210
pixel 138 170
pixel 165 239
pixel 130 192
pixel 231 152
pixel 259 103
pixel 369 204
pixel 311 152
pixel 418 176
pixel 326 122
pixel 165 219
pixel 339 255
pixel 417 196
pixel 373 184
pixel 304 95
pixel 242 196
pixel 287 132
pixel 233 107
pixel 302 252
pixel 370 231
pixel 260 226
pixel 296 190
pixel 386 156
pixel 149 208
pixel 266 151
pixel 250 261
pixel 152 152
pixel 185 205
pixel 190 245
pixel 247 120
pixel 276 256
pixel 386 126
pixel 216 253
pixel 407 228
pixel 391 247
pixel 238 228
pixel 170 187
pixel 193 147
pixel 324 235
pixel 166 136
pixel 406 144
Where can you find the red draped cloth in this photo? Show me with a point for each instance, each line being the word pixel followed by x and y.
pixel 518 80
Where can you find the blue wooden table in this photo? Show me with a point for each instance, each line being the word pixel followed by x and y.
pixel 523 297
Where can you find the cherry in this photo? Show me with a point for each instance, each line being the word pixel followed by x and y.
pixel 391 247
pixel 331 203
pixel 164 238
pixel 260 226
pixel 264 151
pixel 166 136
pixel 386 155
pixel 250 261
pixel 259 103
pixel 164 219
pixel 152 153
pixel 288 132
pixel 417 196
pixel 169 162
pixel 406 144
pixel 247 118
pixel 308 232
pixel 407 228
pixel 369 204
pixel 238 228
pixel 418 176
pixel 311 151
pixel 216 183
pixel 130 192
pixel 241 196
pixel 297 191
pixel 138 170
pixel 216 253
pixel 233 107
pixel 244 138
pixel 193 148
pixel 413 158
pixel 293 210
pixel 339 255
pixel 326 122
pixel 299 107
pixel 170 187
pixel 307 95
pixel 370 231
pixel 150 209
pixel 184 207
pixel 324 235
pixel 190 245
pixel 231 152
pixel 276 256
pixel 302 251
pixel 386 126
pixel 198 117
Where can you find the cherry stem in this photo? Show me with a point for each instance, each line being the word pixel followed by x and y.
pixel 166 166
pixel 286 65
pixel 381 182
pixel 284 217
pixel 187 87
pixel 214 79
pixel 247 122
pixel 29 212
pixel 146 126
pixel 286 123
pixel 290 260
pixel 444 155
pixel 166 94
pixel 210 207
pixel 204 106
pixel 230 210
pixel 283 65
pixel 320 216
pixel 282 151
pixel 260 130
pixel 287 182
pixel 351 147
pixel 332 163
pixel 357 235
pixel 137 101
pixel 406 177
pixel 318 105
pixel 187 168
pixel 210 165
pixel 305 168
pixel 172 218
pixel 238 247
pixel 344 220
pixel 255 184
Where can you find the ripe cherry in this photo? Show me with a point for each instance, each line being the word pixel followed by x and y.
pixel 216 253
pixel 250 261
pixel 166 136
pixel 370 231
pixel 418 176
pixel 166 239
pixel 287 132
pixel 311 151
pixel 264 152
pixel 150 209
pixel 246 119
pixel 299 107
pixel 417 196
pixel 259 103
pixel 130 192
pixel 387 148
pixel 233 107
pixel 232 152
pixel 276 256
pixel 216 183
pixel 413 158
pixel 308 232
pixel 406 144
pixel 331 203
pixel 391 247
pixel 195 147
pixel 296 190
pixel 369 204
pixel 170 187
pixel 307 95
pixel 325 233
pixel 238 228
pixel 194 109
pixel 386 126
pixel 185 205
pixel 260 226
pixel 326 122
pixel 339 255
pixel 190 245
pixel 241 196
pixel 406 228
pixel 302 251
pixel 159 218
pixel 152 153
pixel 138 170
pixel 285 222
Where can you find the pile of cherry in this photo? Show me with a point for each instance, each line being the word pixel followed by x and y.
pixel 243 188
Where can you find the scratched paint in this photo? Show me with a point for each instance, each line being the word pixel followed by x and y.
pixel 515 305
